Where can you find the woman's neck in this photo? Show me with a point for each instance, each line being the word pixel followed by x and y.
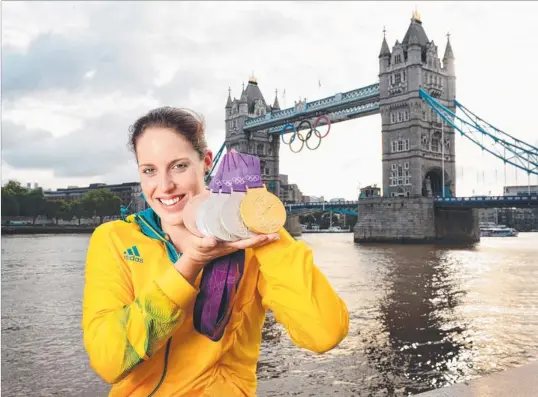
pixel 176 234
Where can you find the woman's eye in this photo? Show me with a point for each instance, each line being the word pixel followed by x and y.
pixel 148 170
pixel 180 166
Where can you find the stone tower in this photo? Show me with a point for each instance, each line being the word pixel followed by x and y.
pixel 412 134
pixel 252 104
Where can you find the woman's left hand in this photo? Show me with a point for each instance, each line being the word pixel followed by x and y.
pixel 252 242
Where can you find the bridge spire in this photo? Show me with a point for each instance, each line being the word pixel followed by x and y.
pixel 276 105
pixel 449 54
pixel 385 51
pixel 229 101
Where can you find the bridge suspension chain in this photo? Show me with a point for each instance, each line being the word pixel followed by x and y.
pixel 502 145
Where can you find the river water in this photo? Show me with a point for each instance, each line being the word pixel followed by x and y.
pixel 421 317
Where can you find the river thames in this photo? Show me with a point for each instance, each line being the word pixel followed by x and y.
pixel 421 317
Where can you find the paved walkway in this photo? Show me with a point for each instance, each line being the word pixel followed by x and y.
pixel 515 382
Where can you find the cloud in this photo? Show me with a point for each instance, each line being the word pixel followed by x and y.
pixel 76 75
pixel 96 149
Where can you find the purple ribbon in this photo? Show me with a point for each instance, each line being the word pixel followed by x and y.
pixel 221 277
pixel 240 171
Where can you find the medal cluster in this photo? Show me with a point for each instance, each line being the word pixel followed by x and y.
pixel 237 205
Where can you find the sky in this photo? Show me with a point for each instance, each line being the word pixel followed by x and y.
pixel 76 75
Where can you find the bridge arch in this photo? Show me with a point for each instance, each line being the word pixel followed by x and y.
pixel 432 183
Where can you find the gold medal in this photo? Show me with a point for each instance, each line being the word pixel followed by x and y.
pixel 262 211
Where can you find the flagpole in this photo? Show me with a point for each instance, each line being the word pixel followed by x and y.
pixel 443 154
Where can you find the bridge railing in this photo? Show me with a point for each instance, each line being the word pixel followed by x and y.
pixel 489 201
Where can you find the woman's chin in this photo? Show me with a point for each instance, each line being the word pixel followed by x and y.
pixel 171 219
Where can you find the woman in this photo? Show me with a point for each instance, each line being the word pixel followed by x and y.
pixel 143 276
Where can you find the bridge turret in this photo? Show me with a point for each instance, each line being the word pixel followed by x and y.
pixel 413 137
pixel 276 105
pixel 449 67
pixel 228 106
pixel 250 105
pixel 449 58
pixel 384 55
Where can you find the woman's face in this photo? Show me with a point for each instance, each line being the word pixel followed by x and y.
pixel 171 172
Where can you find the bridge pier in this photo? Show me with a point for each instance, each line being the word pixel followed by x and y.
pixel 292 226
pixel 414 220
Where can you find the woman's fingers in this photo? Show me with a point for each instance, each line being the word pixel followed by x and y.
pixel 255 241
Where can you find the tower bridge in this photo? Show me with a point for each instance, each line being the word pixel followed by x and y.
pixel 416 98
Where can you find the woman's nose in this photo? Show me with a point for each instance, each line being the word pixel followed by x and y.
pixel 167 184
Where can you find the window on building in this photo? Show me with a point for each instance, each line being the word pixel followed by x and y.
pixel 259 149
pixel 400 145
pixel 393 117
pixel 393 167
pixel 404 75
pixel 407 145
pixel 435 143
pixel 267 171
pixel 399 117
pixel 398 59
pixel 394 146
pixel 397 78
pixel 406 115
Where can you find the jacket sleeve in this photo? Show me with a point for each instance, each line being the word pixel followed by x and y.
pixel 300 296
pixel 122 330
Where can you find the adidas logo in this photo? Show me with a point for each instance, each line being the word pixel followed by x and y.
pixel 132 254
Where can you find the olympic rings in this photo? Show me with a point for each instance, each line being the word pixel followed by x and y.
pixel 328 125
pixel 312 129
pixel 299 135
pixel 283 131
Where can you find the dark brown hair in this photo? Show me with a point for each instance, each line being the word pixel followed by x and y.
pixel 185 122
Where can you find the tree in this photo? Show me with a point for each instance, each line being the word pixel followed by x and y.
pixel 33 204
pixel 78 210
pixel 10 205
pixel 101 203
pixel 58 210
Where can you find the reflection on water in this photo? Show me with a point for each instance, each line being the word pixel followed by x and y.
pixel 421 317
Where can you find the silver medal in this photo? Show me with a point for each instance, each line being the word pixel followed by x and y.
pixel 213 223
pixel 230 216
pixel 201 219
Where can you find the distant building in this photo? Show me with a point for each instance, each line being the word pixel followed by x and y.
pixel 129 194
pixel 337 199
pixel 316 199
pixel 488 215
pixel 370 191
pixel 289 192
pixel 520 190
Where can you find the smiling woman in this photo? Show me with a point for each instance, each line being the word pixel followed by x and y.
pixel 138 314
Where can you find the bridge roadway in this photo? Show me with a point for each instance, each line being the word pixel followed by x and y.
pixel 439 202
pixel 339 107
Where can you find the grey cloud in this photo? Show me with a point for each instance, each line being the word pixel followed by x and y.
pixel 121 40
pixel 96 149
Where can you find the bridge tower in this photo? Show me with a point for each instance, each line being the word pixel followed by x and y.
pixel 412 134
pixel 266 146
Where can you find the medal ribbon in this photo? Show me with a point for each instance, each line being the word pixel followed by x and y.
pixel 221 277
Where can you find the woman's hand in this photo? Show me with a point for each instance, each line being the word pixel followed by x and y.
pixel 198 252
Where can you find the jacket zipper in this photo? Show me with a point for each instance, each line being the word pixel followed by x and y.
pixel 165 369
pixel 167 352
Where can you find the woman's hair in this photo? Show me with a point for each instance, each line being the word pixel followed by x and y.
pixel 185 122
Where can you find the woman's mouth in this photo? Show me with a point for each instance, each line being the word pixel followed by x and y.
pixel 172 201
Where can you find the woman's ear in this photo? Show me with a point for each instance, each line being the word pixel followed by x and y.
pixel 208 161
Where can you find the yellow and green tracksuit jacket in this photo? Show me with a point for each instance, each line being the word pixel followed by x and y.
pixel 138 313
